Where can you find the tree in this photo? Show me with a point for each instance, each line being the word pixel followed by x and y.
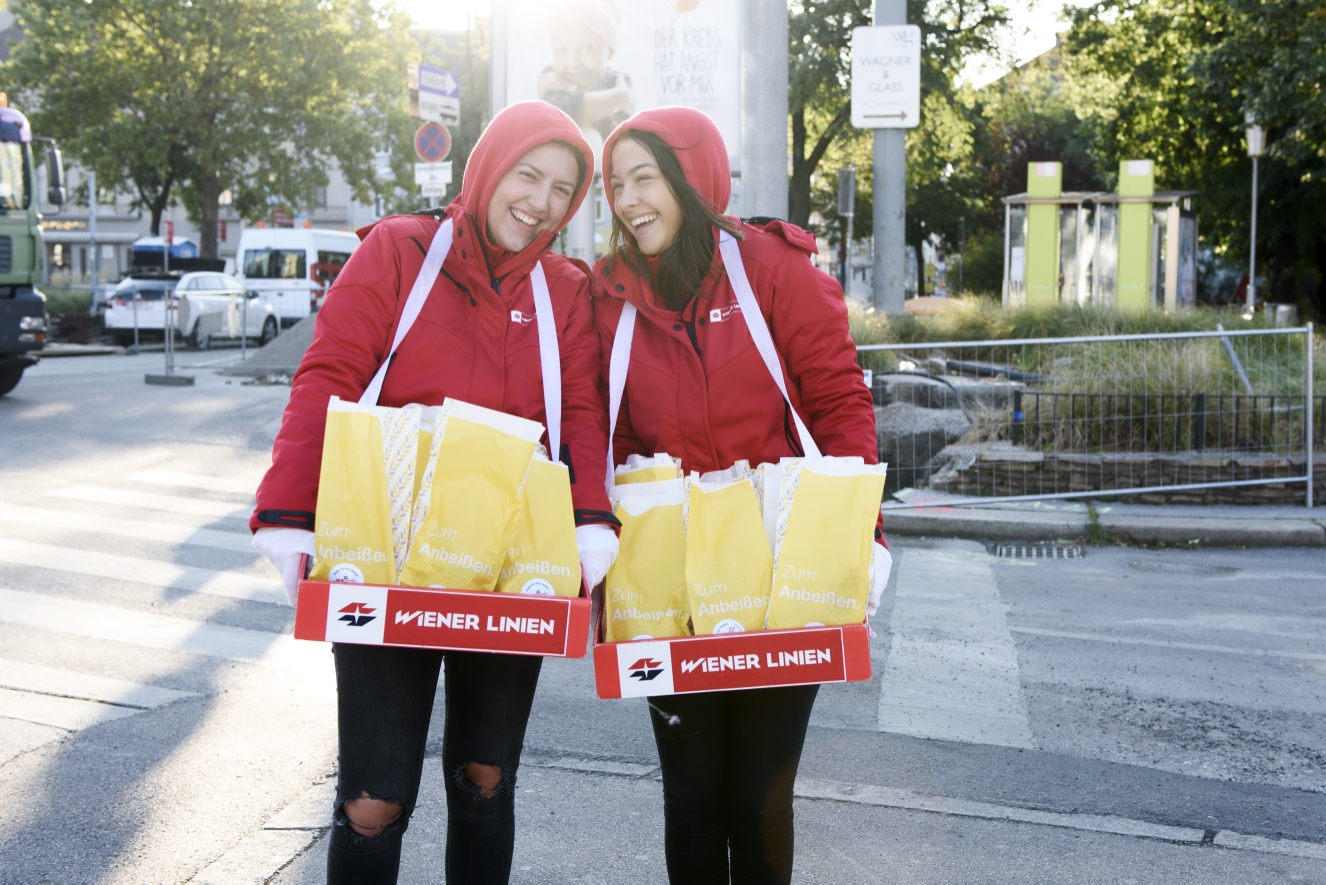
pixel 820 107
pixel 256 97
pixel 1178 77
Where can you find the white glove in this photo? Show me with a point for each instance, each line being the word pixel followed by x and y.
pixel 284 547
pixel 598 550
pixel 881 565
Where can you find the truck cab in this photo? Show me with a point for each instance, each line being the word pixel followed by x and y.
pixel 22 307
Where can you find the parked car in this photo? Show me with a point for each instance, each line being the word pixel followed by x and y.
pixel 292 267
pixel 139 300
pixel 216 306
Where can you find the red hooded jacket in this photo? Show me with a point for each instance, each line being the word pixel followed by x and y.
pixel 697 387
pixel 466 343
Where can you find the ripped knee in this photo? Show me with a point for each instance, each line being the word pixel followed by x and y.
pixel 488 778
pixel 368 816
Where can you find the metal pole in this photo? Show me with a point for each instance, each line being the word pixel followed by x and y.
pixel 763 153
pixel 962 248
pixel 135 303
pixel 1252 251
pixel 92 229
pixel 1307 412
pixel 244 327
pixel 890 197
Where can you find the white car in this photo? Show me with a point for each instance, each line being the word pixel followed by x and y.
pixel 216 306
pixel 207 306
pixel 138 301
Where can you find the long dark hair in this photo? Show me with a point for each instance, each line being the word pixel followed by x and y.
pixel 684 265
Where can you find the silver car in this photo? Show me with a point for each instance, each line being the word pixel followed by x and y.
pixel 216 306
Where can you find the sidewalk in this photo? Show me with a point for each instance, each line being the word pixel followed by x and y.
pixel 1213 525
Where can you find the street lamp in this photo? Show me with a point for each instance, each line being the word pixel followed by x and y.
pixel 1256 144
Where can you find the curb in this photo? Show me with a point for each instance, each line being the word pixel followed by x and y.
pixel 1004 525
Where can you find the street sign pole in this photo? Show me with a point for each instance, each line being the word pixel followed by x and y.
pixel 847 211
pixel 886 97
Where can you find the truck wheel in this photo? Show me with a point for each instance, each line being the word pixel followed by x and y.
pixel 270 330
pixel 9 379
pixel 199 340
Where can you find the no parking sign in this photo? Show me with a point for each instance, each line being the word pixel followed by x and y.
pixel 432 142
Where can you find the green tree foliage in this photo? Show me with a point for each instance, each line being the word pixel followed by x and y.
pixel 257 97
pixel 939 188
pixel 1176 78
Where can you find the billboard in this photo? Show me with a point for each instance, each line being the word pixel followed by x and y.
pixel 602 61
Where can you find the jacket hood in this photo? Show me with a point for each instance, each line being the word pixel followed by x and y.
pixel 697 143
pixel 508 137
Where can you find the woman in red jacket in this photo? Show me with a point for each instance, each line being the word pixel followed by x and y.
pixel 476 339
pixel 697 387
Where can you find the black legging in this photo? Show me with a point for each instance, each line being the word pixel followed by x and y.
pixel 384 703
pixel 729 764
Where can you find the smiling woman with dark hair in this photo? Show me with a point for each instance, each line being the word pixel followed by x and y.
pixel 697 387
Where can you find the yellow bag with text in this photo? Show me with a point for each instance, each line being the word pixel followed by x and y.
pixel 728 562
pixel 544 558
pixel 469 497
pixel 353 542
pixel 827 512
pixel 639 469
pixel 644 594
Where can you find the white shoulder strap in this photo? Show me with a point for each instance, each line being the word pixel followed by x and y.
pixel 617 366
pixel 423 284
pixel 549 352
pixel 550 359
pixel 750 311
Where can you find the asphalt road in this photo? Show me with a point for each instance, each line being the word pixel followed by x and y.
pixel 1133 715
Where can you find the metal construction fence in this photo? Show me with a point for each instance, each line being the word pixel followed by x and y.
pixel 1226 415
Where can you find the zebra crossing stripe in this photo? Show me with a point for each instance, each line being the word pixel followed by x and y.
pixel 149 630
pixel 195 481
pixel 127 528
pixel 151 501
pixel 142 571
pixel 85 686
pixel 67 713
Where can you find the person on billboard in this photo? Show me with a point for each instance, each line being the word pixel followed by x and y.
pixel 524 179
pixel 696 387
pixel 583 34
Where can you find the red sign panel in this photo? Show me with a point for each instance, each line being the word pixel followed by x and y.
pixel 732 661
pixel 454 619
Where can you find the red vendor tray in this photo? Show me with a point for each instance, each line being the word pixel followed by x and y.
pixel 420 617
pixel 806 656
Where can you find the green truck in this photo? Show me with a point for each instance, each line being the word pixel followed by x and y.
pixel 22 251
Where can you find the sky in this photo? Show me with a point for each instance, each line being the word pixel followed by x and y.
pixel 1034 24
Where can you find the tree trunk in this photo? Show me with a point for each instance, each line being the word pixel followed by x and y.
pixel 209 186
pixel 804 166
pixel 157 203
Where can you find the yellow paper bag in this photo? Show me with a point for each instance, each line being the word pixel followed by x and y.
pixel 400 436
pixel 424 447
pixel 544 558
pixel 728 562
pixel 353 541
pixel 826 522
pixel 639 469
pixel 469 497
pixel 645 590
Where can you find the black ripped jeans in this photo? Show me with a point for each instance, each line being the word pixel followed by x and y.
pixel 729 762
pixel 384 704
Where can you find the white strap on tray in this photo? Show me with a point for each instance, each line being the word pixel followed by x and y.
pixel 550 359
pixel 549 353
pixel 750 311
pixel 617 366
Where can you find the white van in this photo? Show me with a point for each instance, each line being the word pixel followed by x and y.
pixel 292 267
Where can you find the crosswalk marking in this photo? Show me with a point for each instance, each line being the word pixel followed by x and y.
pixel 48 680
pixel 150 501
pixel 195 481
pixel 67 713
pixel 97 621
pixel 142 571
pixel 126 528
pixel 952 670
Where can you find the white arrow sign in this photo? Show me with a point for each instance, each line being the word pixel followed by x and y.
pixel 886 77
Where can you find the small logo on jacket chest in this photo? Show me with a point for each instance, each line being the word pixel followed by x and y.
pixel 718 315
pixel 523 318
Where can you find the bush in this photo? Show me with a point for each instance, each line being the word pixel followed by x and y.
pixel 61 300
